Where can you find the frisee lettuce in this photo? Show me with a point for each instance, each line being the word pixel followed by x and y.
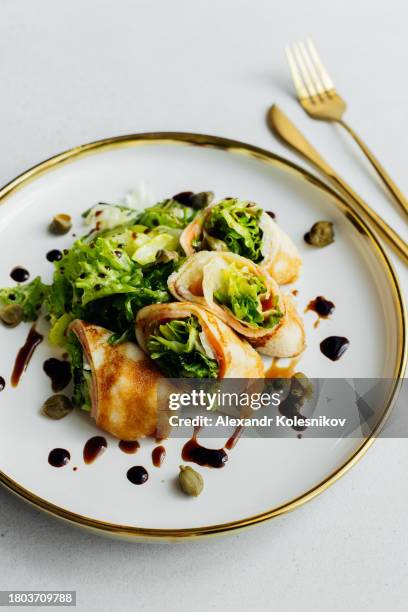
pixel 242 292
pixel 236 223
pixel 81 376
pixel 29 296
pixel 169 213
pixel 177 350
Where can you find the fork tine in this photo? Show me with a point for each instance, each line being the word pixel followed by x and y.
pixel 297 79
pixel 324 75
pixel 308 81
pixel 318 85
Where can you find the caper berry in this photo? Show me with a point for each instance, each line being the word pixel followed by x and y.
pixel 57 406
pixel 321 234
pixel 202 199
pixel 11 315
pixel 164 256
pixel 190 481
pixel 214 244
pixel 61 224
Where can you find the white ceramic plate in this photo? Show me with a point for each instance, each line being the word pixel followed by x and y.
pixel 264 476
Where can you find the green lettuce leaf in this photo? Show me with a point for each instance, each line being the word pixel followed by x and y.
pixel 169 213
pixel 236 223
pixel 242 292
pixel 81 376
pixel 178 352
pixel 30 297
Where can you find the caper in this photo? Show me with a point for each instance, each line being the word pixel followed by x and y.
pixel 304 387
pixel 61 224
pixel 57 406
pixel 214 244
pixel 202 199
pixel 321 234
pixel 164 256
pixel 190 481
pixel 11 315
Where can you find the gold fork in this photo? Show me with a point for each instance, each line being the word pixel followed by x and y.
pixel 319 98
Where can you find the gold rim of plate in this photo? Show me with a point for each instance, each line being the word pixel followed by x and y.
pixel 237 147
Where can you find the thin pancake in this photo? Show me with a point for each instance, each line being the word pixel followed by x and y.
pixel 235 357
pixel 124 383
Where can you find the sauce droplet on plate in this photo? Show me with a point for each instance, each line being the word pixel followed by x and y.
pixel 210 457
pixel 93 448
pixel 158 455
pixel 232 440
pixel 129 447
pixel 54 255
pixel 24 355
pixel 59 457
pixel 137 475
pixel 20 275
pixel 334 347
pixel 277 371
pixel 322 307
pixel 59 373
pixel 2 383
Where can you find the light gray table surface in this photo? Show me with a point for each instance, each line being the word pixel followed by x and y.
pixel 72 72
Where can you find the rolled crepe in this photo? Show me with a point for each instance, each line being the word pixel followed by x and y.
pixel 234 356
pixel 124 383
pixel 205 277
pixel 279 256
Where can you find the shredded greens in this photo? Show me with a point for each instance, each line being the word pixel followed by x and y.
pixel 81 375
pixel 169 213
pixel 236 224
pixel 243 293
pixel 178 351
pixel 29 296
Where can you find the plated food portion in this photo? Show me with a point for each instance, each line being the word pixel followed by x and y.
pixel 186 288
pixel 244 228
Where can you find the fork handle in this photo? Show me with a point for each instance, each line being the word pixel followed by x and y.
pixel 385 177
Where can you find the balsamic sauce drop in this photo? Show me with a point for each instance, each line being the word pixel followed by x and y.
pixel 93 448
pixel 158 455
pixel 137 475
pixel 59 372
pixel 2 383
pixel 129 447
pixel 211 457
pixel 232 440
pixel 24 355
pixel 271 214
pixel 322 307
pixel 59 457
pixel 334 347
pixel 20 275
pixel 54 255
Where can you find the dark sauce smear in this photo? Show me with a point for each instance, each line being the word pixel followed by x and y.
pixel 2 383
pixel 24 355
pixel 93 448
pixel 20 275
pixel 232 440
pixel 210 457
pixel 59 457
pixel 129 447
pixel 59 372
pixel 185 197
pixel 324 308
pixel 271 214
pixel 334 347
pixel 54 255
pixel 158 455
pixel 137 475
